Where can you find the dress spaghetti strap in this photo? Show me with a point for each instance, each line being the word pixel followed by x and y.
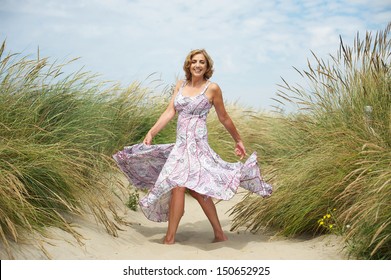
pixel 206 87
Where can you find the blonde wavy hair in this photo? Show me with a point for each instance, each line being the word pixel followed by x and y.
pixel 209 64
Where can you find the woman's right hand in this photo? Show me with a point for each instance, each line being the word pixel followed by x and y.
pixel 240 150
pixel 148 139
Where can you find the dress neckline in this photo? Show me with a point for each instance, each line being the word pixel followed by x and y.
pixel 194 96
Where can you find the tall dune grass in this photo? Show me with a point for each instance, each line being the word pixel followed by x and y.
pixel 333 157
pixel 57 135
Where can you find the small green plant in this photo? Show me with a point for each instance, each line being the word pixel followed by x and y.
pixel 328 222
pixel 133 201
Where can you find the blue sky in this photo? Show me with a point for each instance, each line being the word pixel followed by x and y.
pixel 253 43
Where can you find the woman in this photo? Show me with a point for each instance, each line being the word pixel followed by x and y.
pixel 167 170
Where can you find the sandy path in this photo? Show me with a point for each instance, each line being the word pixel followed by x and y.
pixel 142 240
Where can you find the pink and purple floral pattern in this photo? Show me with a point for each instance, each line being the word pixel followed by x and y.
pixel 190 163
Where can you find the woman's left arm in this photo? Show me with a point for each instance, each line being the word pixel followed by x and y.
pixel 217 100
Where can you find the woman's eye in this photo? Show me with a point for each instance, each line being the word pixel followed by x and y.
pixel 195 61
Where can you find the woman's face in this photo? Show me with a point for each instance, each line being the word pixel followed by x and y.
pixel 198 66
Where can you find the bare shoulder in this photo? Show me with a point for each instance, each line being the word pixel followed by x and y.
pixel 178 85
pixel 214 89
pixel 214 92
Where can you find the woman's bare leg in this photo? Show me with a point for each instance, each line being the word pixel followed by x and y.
pixel 210 211
pixel 177 206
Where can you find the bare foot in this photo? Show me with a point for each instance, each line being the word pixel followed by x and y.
pixel 220 238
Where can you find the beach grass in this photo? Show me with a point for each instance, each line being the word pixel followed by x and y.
pixel 56 140
pixel 332 157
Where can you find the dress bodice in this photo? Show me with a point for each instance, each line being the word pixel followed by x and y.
pixel 198 105
pixel 192 113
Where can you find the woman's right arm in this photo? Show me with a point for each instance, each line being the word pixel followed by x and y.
pixel 164 118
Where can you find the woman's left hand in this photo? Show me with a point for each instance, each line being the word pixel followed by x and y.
pixel 148 139
pixel 240 150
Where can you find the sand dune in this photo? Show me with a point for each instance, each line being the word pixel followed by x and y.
pixel 143 240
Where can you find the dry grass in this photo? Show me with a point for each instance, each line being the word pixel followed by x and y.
pixel 335 152
pixel 56 139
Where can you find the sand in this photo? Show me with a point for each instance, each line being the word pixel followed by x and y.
pixel 142 239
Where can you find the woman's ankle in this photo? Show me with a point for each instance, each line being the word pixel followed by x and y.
pixel 168 240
